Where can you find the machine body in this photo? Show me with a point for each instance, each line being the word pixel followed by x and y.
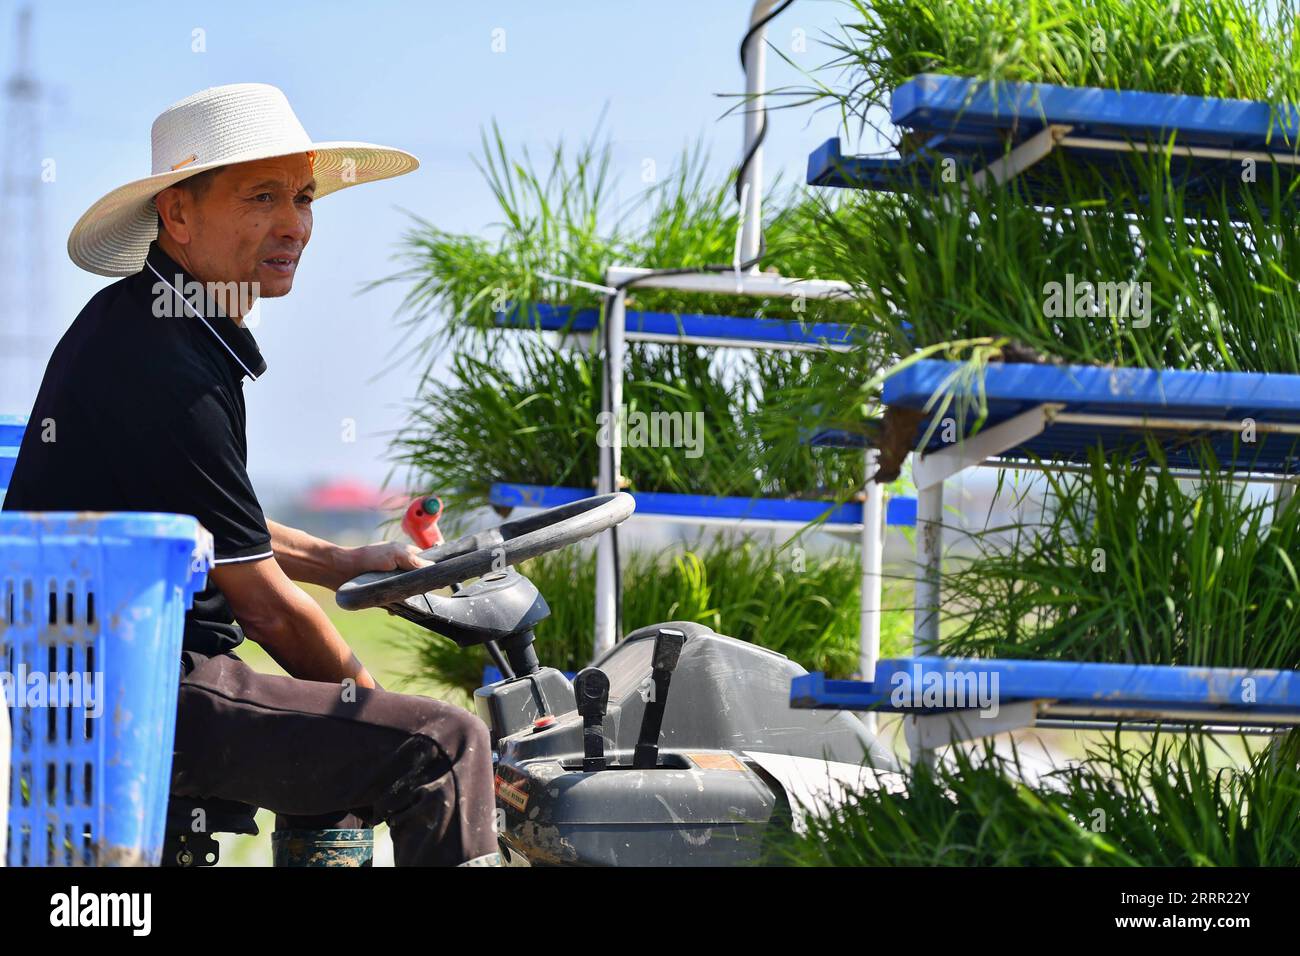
pixel 678 747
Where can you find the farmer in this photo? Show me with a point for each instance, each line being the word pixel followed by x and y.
pixel 142 409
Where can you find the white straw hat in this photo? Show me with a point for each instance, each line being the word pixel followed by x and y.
pixel 216 127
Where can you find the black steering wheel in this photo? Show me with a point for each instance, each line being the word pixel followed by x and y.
pixel 478 554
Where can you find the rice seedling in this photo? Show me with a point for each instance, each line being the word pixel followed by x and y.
pixel 969 276
pixel 1170 803
pixel 1242 49
pixel 529 414
pixel 1128 563
pixel 963 274
pixel 559 217
pixel 808 612
pixel 516 408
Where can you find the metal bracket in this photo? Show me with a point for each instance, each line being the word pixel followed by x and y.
pixel 953 726
pixel 1195 152
pixel 937 466
pixel 1021 157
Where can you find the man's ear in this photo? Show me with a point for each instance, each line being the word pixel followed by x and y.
pixel 173 209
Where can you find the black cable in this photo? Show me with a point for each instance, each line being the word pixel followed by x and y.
pixel 762 119
pixel 627 283
pixel 758 25
pixel 740 175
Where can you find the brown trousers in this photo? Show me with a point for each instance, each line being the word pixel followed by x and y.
pixel 306 749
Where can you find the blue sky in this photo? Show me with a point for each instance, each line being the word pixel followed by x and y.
pixel 421 76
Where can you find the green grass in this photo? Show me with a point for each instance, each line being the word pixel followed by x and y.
pixel 558 215
pixel 1243 49
pixel 528 413
pixel 1224 294
pixel 1129 564
pixel 803 606
pixel 960 276
pixel 1170 802
pixel 963 281
pixel 516 408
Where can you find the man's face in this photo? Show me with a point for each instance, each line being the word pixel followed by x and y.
pixel 249 225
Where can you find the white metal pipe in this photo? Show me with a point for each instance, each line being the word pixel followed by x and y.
pixel 1190 714
pixel 873 550
pixel 851 531
pixel 1202 152
pixel 582 340
pixel 755 56
pixel 735 343
pixel 1282 494
pixel 946 462
pixel 925 634
pixel 605 596
pixel 1171 424
pixel 1020 464
pixel 1145 727
pixel 929 554
pixel 762 284
pixel 607 578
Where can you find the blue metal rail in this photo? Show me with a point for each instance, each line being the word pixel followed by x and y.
pixel 1234 407
pixel 11 438
pixel 974 122
pixel 1081 691
pixel 899 512
pixel 660 326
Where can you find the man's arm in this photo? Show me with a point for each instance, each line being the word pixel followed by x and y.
pixel 277 614
pixel 304 557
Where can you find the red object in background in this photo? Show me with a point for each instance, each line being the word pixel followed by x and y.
pixel 344 495
pixel 421 521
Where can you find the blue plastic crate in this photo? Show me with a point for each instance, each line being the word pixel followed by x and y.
pixel 102 595
pixel 11 436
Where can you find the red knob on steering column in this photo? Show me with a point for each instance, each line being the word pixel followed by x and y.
pixel 421 521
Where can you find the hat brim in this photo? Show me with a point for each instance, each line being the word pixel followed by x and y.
pixel 112 237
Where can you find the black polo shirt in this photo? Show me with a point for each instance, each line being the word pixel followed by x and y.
pixel 142 409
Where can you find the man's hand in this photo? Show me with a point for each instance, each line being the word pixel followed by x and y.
pixel 313 560
pixel 381 556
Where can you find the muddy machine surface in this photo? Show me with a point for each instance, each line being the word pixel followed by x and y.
pixel 676 748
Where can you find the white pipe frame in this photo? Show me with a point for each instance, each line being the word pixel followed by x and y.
pixel 758 285
pixel 751 184
pixel 748 283
pixel 930 470
pixel 924 733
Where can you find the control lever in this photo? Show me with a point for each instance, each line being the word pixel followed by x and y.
pixel 591 688
pixel 668 647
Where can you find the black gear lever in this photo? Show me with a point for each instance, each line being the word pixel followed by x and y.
pixel 668 647
pixel 591 688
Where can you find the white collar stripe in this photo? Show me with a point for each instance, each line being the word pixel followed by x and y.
pixel 202 319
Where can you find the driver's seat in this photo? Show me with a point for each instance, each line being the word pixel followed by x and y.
pixel 185 845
